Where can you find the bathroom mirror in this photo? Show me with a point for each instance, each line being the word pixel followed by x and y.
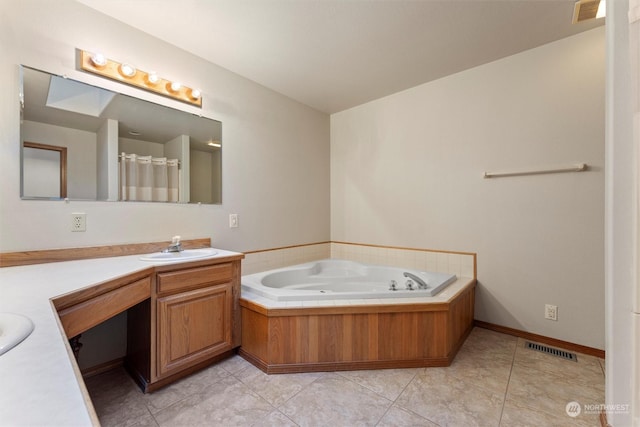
pixel 114 146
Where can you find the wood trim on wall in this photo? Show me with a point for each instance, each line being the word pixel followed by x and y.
pixel 541 338
pixel 258 251
pixel 405 248
pixel 12 259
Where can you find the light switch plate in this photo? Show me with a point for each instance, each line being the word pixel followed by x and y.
pixel 233 220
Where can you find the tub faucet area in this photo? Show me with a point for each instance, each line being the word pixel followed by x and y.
pixel 421 283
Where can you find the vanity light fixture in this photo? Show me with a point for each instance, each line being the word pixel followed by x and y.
pixel 585 10
pixel 98 64
pixel 216 144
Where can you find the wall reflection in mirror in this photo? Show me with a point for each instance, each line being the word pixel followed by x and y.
pixel 82 142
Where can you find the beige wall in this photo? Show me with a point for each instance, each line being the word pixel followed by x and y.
pixel 406 170
pixel 275 156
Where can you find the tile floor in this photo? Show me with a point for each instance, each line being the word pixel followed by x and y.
pixel 494 381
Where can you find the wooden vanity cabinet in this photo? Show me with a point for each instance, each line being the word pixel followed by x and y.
pixel 180 317
pixel 194 311
pixel 195 320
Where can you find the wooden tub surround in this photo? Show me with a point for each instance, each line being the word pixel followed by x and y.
pixel 350 337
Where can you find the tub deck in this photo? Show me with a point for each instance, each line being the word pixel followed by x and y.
pixel 348 335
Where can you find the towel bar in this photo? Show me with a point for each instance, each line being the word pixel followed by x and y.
pixel 580 167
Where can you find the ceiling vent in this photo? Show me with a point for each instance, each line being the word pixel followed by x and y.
pixel 585 10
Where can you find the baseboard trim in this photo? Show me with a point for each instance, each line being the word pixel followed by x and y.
pixel 541 338
pixel 102 367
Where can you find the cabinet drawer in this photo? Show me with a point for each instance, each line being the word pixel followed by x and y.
pixel 192 278
pixel 80 317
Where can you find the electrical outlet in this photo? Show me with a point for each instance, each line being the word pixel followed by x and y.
pixel 233 220
pixel 551 312
pixel 78 222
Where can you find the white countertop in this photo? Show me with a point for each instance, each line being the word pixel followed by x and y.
pixel 38 385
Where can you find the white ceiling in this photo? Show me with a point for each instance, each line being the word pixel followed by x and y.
pixel 336 54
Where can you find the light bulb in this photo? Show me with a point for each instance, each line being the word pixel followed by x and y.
pixel 195 93
pixel 98 60
pixel 175 86
pixel 152 78
pixel 127 70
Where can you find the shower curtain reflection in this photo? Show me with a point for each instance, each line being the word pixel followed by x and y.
pixel 148 179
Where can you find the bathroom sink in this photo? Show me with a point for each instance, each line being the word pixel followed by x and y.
pixel 184 255
pixel 14 328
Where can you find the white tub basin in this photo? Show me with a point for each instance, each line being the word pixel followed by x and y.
pixel 14 328
pixel 185 255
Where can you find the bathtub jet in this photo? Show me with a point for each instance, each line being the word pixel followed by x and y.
pixel 340 279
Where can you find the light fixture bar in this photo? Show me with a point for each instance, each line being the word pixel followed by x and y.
pixel 584 10
pixel 125 73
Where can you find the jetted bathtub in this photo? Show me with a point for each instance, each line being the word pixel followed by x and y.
pixel 340 279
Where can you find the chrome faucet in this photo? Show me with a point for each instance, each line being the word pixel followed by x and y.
pixel 421 283
pixel 175 245
pixel 409 285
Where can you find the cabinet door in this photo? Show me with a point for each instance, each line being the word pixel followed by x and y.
pixel 193 326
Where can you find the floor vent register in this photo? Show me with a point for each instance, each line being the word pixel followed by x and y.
pixel 552 351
